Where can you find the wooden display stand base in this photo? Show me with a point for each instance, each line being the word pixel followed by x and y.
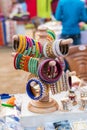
pixel 43 107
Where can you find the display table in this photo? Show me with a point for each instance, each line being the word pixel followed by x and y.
pixel 29 119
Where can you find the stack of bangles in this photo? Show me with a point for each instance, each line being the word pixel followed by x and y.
pixel 26 63
pixel 51 35
pixel 55 49
pixel 27 46
pixel 65 82
pixel 47 73
pixel 36 90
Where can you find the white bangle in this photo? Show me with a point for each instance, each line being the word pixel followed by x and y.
pixel 44 50
pixel 58 42
pixel 53 48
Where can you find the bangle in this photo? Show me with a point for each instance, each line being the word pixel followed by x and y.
pixel 40 48
pixel 44 50
pixel 54 49
pixel 49 51
pixel 26 63
pixel 19 56
pixel 22 62
pixel 34 47
pixel 24 44
pixel 30 92
pixel 20 44
pixel 15 60
pixel 37 49
pixel 46 75
pixel 15 44
pixel 51 35
pixel 29 64
pixel 61 49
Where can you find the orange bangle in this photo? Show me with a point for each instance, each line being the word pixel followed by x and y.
pixel 26 63
pixel 22 62
pixel 37 49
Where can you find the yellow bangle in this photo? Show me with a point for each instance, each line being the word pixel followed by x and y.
pixel 20 44
pixel 37 49
pixel 23 43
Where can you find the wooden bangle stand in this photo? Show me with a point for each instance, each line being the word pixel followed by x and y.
pixel 47 104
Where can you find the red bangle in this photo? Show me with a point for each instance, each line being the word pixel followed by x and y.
pixel 15 60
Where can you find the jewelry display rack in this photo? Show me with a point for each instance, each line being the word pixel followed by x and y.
pixel 48 70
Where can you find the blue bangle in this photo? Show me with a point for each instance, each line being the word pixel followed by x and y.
pixel 29 92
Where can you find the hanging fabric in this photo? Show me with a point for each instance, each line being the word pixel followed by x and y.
pixel 31 7
pixel 44 8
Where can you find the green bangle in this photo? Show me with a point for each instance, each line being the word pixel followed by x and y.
pixel 36 66
pixel 29 51
pixel 37 54
pixel 32 68
pixel 18 61
pixel 25 52
pixel 34 49
pixel 29 65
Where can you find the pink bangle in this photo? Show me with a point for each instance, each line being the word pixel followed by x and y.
pixel 40 47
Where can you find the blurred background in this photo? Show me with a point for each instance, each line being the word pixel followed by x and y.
pixel 30 18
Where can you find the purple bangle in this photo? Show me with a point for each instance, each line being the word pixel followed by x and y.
pixel 42 73
pixel 27 43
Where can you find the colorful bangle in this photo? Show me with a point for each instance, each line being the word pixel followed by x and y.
pixel 15 60
pixel 19 56
pixel 24 44
pixel 22 62
pixel 44 50
pixel 37 50
pixel 61 49
pixel 20 44
pixel 30 93
pixel 43 71
pixel 26 63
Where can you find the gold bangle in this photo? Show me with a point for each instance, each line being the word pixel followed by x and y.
pixel 49 51
pixel 23 43
pixel 20 44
